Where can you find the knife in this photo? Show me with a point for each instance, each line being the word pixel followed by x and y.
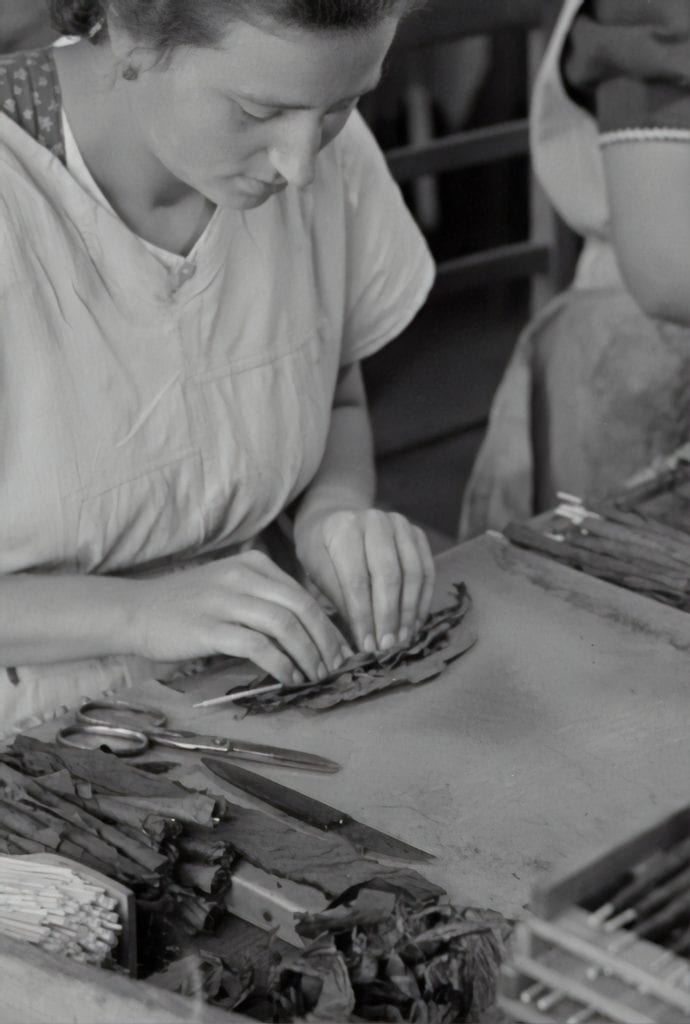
pixel 314 812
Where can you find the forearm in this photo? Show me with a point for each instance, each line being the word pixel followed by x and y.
pixel 56 618
pixel 346 478
pixel 648 183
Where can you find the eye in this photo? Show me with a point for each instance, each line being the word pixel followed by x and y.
pixel 263 116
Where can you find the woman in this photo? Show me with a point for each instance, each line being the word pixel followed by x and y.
pixel 598 385
pixel 200 241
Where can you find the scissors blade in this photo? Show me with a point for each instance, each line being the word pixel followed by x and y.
pixel 278 757
pixel 313 812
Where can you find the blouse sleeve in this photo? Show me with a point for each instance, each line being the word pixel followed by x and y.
pixel 628 61
pixel 389 269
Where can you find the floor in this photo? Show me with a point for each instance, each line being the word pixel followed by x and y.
pixel 429 394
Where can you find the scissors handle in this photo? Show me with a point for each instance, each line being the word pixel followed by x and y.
pixel 110 712
pixel 124 742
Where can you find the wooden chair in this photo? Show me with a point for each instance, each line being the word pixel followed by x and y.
pixel 430 395
pixel 548 254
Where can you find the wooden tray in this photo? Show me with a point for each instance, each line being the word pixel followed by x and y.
pixel 561 966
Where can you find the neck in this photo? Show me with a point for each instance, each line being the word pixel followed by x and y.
pixel 98 103
pixel 150 200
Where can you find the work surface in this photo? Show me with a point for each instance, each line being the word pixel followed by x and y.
pixel 565 726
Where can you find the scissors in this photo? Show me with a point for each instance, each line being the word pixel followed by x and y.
pixel 126 729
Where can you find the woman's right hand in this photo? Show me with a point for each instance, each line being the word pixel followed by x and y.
pixel 244 606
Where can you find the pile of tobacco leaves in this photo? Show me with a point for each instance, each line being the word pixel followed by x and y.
pixel 384 958
pixel 146 832
pixel 443 638
pixel 389 948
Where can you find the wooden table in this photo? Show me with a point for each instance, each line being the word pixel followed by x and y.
pixel 565 727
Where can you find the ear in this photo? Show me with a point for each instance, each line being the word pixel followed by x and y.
pixel 121 42
pixel 126 48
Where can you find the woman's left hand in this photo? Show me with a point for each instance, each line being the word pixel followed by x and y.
pixel 376 568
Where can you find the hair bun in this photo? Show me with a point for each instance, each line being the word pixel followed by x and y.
pixel 76 17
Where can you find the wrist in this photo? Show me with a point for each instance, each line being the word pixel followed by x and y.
pixel 310 516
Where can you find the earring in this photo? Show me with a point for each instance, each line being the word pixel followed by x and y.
pixel 130 73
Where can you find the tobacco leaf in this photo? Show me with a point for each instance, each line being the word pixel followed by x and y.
pixel 442 639
pixel 438 965
pixel 205 975
pixel 320 983
pixel 111 775
pixel 327 862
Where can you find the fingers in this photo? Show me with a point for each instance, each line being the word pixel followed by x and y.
pixel 410 543
pixel 402 581
pixel 241 642
pixel 385 573
pixel 347 555
pixel 387 576
pixel 429 573
pixel 279 614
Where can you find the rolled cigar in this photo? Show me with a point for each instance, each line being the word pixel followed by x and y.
pixel 659 923
pixel 661 866
pixel 651 527
pixel 624 543
pixel 641 559
pixel 659 897
pixel 124 844
pixel 672 588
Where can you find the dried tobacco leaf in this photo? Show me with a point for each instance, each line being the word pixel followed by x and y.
pixel 326 861
pixel 73 806
pixel 205 975
pixel 110 775
pixel 442 639
pixel 439 964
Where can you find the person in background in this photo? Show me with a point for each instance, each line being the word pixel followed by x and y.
pixel 598 386
pixel 200 241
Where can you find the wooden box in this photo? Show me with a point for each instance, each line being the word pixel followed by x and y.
pixel 564 967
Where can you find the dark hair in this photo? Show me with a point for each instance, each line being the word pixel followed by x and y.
pixel 164 24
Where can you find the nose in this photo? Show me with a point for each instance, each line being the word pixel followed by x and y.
pixel 294 153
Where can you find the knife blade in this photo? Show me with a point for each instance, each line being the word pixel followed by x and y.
pixel 313 812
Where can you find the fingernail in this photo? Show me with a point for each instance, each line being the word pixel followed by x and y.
pixel 337 662
pixel 369 644
pixel 322 671
pixel 347 652
pixel 297 678
pixel 387 642
pixel 403 635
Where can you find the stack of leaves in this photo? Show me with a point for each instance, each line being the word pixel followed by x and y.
pixel 51 906
pixel 440 641
pixel 204 975
pixel 146 832
pixel 382 958
pixel 622 546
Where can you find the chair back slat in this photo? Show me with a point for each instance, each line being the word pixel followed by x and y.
pixel 460 149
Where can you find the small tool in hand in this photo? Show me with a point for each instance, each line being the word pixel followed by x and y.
pixel 356 663
pixel 127 729
pixel 314 812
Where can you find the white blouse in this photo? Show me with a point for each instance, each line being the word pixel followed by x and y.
pixel 154 406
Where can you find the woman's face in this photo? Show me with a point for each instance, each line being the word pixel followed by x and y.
pixel 241 121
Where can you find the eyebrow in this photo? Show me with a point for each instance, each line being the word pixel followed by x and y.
pixel 262 101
